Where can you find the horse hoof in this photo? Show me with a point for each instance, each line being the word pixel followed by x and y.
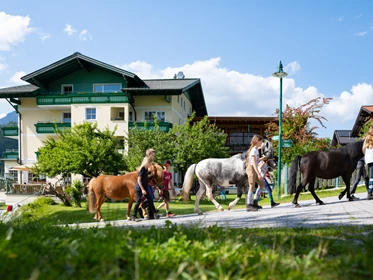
pixel 340 196
pixel 320 203
pixel 102 220
pixel 229 208
pixel 200 213
pixel 296 205
pixel 351 199
pixel 221 209
pixel 129 218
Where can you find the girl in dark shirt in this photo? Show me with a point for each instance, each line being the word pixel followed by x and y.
pixel 141 188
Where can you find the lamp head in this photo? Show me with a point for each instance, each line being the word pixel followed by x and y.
pixel 280 73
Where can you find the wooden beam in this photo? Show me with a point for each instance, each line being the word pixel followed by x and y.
pixel 81 63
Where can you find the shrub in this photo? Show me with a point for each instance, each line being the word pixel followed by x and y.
pixel 75 192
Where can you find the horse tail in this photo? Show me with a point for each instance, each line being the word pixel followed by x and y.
pixel 91 197
pixel 188 181
pixel 293 175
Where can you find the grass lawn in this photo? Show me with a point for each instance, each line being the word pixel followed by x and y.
pixel 32 247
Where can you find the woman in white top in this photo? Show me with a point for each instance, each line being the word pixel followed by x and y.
pixel 368 152
pixel 263 168
pixel 252 171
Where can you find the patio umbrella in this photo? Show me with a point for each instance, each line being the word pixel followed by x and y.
pixel 21 168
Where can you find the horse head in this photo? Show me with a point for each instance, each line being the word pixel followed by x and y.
pixel 158 176
pixel 268 152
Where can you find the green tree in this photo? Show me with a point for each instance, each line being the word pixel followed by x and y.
pixel 140 139
pixel 84 150
pixel 183 144
pixel 296 127
pixel 365 128
pixel 198 141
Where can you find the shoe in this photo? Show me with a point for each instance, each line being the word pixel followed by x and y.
pixel 156 216
pixel 274 204
pixel 354 197
pixel 170 215
pixel 370 196
pixel 250 208
pixel 256 205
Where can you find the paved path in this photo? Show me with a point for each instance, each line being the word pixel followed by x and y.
pixel 335 212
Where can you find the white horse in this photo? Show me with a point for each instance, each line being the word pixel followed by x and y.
pixel 223 172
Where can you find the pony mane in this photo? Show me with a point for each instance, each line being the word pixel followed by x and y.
pixel 352 149
pixel 241 156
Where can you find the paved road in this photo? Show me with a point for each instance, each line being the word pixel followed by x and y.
pixel 335 212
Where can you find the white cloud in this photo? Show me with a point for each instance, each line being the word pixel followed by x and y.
pixel 142 67
pixel 13 30
pixel 2 67
pixel 346 106
pixel 16 78
pixel 292 67
pixel 44 36
pixel 69 30
pixel 363 33
pixel 84 35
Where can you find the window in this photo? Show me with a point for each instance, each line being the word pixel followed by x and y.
pixel 86 180
pixel 149 116
pixel 90 113
pixel 66 117
pixel 239 138
pixel 107 88
pixel 66 89
pixel 117 113
pixel 161 116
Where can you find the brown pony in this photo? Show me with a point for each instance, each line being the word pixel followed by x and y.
pixel 118 188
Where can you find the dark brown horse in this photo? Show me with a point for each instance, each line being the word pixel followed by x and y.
pixel 118 188
pixel 326 165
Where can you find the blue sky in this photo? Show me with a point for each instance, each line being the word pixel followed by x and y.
pixel 233 46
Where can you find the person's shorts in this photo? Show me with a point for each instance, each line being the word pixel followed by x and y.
pixel 166 195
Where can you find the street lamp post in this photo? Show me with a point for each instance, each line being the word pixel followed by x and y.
pixel 279 74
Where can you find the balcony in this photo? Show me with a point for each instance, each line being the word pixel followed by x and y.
pixel 163 126
pixel 44 128
pixel 10 131
pixel 11 154
pixel 81 98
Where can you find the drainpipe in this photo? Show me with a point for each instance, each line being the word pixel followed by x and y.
pixel 134 110
pixel 19 159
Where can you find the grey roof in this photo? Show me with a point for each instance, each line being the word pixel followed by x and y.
pixel 18 91
pixel 342 137
pixel 174 87
pixel 170 84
